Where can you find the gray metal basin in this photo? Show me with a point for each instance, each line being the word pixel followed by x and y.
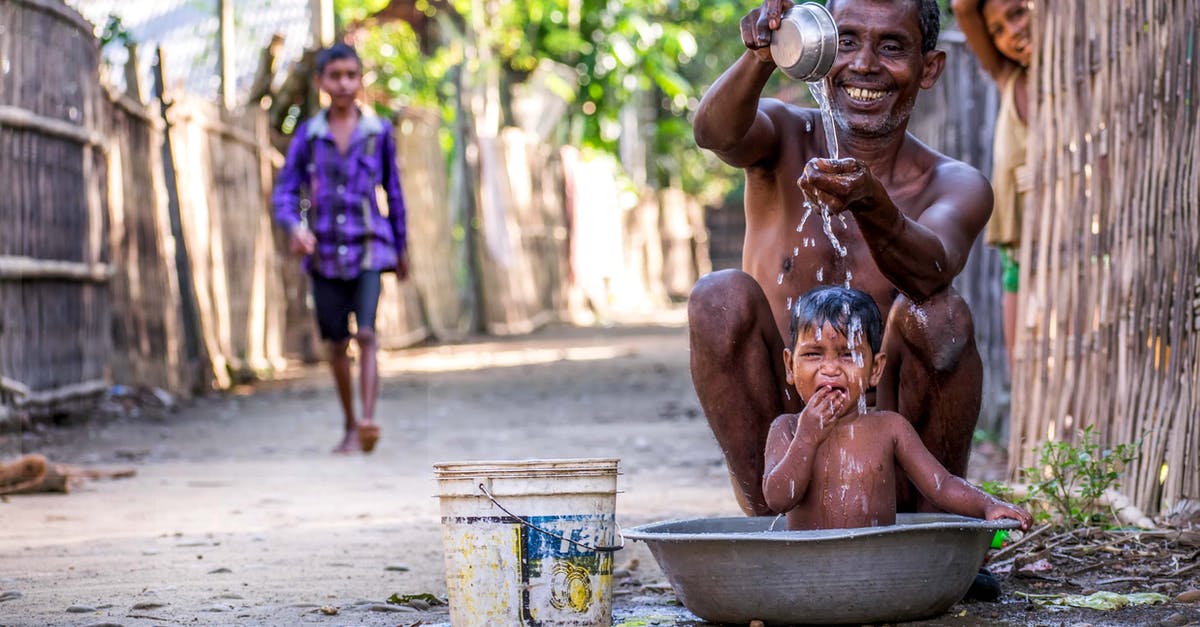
pixel 735 570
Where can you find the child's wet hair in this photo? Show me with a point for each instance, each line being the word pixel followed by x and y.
pixel 336 52
pixel 841 307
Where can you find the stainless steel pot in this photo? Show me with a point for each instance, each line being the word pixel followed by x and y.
pixel 805 44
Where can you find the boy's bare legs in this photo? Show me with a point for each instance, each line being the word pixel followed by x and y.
pixel 368 373
pixel 368 388
pixel 934 378
pixel 339 362
pixel 737 369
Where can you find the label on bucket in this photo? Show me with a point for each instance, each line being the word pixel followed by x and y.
pixel 551 581
pixel 564 583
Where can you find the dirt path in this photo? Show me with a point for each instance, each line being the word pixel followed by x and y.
pixel 238 515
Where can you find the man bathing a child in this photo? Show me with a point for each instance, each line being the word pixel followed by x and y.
pixel 901 219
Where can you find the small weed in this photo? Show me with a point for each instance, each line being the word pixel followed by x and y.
pixel 1066 484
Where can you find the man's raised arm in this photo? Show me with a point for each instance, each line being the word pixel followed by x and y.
pixel 729 121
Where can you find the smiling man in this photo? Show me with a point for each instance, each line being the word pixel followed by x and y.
pixel 892 218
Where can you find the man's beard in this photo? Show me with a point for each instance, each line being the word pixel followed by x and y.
pixel 877 127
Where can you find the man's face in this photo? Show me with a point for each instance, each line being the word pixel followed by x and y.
pixel 1007 23
pixel 342 80
pixel 879 67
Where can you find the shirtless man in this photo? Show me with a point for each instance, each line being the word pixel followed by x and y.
pixel 904 215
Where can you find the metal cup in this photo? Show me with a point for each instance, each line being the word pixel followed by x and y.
pixel 806 42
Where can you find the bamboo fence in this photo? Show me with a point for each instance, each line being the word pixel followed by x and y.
pixel 54 258
pixel 1109 305
pixel 148 330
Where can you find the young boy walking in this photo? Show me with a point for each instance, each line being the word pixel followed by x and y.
pixel 339 157
pixel 833 465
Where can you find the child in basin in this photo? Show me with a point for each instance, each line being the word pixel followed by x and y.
pixel 836 463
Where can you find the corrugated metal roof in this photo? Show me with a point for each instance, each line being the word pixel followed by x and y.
pixel 187 31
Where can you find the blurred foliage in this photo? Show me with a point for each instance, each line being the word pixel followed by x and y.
pixel 664 51
pixel 660 55
pixel 114 31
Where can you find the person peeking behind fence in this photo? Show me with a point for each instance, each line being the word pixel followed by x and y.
pixel 834 465
pixel 325 199
pixel 998 32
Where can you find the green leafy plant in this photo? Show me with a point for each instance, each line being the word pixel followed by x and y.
pixel 998 489
pixel 1068 480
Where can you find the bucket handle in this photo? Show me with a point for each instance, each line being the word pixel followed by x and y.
pixel 598 549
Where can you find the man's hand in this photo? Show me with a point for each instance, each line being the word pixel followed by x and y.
pixel 402 266
pixel 842 185
pixel 758 24
pixel 303 241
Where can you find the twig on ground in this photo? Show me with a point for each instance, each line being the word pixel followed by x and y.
pixel 1104 582
pixel 1185 569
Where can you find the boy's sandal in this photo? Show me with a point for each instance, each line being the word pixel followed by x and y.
pixel 368 435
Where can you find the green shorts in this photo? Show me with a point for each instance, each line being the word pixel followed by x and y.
pixel 1010 271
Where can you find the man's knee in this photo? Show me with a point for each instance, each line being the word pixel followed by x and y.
pixel 721 307
pixel 939 330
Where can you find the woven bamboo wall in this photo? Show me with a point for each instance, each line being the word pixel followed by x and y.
pixel 522 244
pixel 54 270
pixel 1108 324
pixel 438 258
pixel 224 189
pixel 148 329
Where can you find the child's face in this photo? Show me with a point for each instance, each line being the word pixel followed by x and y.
pixel 1007 23
pixel 342 80
pixel 826 358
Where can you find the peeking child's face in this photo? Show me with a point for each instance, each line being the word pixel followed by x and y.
pixel 825 357
pixel 342 80
pixel 1007 23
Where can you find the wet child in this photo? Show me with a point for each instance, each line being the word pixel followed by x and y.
pixel 834 464
pixel 340 156
pixel 997 31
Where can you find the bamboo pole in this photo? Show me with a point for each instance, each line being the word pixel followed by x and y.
pixel 17 268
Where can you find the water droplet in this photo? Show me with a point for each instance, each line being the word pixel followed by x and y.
pixel 820 274
pixel 779 281
pixel 795 251
pixel 807 126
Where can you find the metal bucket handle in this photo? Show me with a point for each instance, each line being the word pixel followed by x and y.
pixel 598 549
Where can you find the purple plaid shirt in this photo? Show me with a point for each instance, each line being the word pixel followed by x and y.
pixel 342 211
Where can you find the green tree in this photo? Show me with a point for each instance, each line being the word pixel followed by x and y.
pixel 659 53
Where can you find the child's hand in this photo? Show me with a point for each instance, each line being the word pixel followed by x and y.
pixel 303 241
pixel 1001 509
pixel 820 414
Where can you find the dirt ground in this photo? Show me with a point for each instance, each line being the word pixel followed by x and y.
pixel 239 515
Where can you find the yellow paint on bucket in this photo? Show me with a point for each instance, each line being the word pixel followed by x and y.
pixel 529 543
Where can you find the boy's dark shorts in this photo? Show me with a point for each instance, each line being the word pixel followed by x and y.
pixel 335 299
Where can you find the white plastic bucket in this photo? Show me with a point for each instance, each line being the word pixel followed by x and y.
pixel 545 561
